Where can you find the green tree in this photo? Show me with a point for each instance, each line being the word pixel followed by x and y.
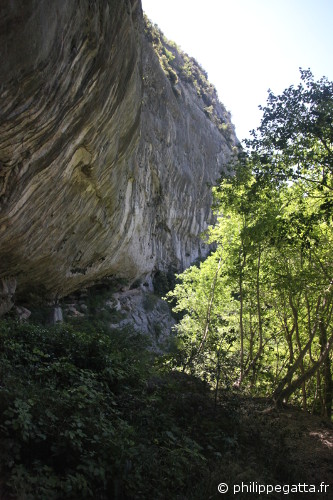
pixel 270 281
pixel 295 138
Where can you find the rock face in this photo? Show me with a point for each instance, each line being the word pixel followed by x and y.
pixel 7 290
pixel 145 313
pixel 138 309
pixel 106 149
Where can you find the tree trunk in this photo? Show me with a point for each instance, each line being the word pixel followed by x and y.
pixel 328 389
pixel 237 384
pixel 298 340
pixel 282 393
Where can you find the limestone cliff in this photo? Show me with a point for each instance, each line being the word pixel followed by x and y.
pixel 108 143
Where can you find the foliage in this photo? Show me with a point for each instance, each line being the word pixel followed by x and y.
pixel 163 281
pixel 163 48
pixel 294 140
pixel 84 415
pixel 60 418
pixel 258 311
pixel 149 302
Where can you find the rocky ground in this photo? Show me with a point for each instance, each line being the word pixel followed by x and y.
pixel 116 306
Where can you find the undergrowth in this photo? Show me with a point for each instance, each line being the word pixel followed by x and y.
pixel 90 413
pixel 85 414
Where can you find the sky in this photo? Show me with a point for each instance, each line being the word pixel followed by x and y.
pixel 250 46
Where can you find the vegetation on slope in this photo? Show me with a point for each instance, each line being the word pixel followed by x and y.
pixel 258 311
pixel 85 414
pixel 82 416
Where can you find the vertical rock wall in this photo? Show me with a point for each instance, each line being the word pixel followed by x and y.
pixel 104 162
pixel 181 155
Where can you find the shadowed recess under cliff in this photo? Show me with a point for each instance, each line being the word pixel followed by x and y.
pixel 108 147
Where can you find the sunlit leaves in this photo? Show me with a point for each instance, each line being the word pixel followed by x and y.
pixel 274 238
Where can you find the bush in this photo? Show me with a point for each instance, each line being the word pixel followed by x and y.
pixel 60 418
pixel 163 282
pixel 83 415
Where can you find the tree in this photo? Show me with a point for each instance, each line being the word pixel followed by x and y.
pixel 294 141
pixel 269 284
pixel 293 147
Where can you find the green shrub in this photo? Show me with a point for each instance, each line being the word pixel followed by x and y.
pixel 83 414
pixel 86 413
pixel 62 434
pixel 149 302
pixel 163 282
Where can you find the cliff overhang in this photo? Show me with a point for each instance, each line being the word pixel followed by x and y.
pixel 108 147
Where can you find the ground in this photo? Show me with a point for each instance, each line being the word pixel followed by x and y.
pixel 285 446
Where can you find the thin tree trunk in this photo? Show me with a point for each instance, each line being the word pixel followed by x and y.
pixel 210 307
pixel 253 361
pixel 259 303
pixel 317 394
pixel 328 389
pixel 298 340
pixel 207 319
pixel 241 324
pixel 280 393
pixel 218 373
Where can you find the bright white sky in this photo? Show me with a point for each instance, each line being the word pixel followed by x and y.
pixel 249 46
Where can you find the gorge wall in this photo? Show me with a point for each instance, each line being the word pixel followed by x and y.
pixel 110 139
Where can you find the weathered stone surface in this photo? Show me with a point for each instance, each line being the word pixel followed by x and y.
pixel 104 163
pixel 70 109
pixel 57 316
pixel 145 313
pixel 22 313
pixel 7 290
pixel 180 156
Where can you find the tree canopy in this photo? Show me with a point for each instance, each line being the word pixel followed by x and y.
pixel 257 313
